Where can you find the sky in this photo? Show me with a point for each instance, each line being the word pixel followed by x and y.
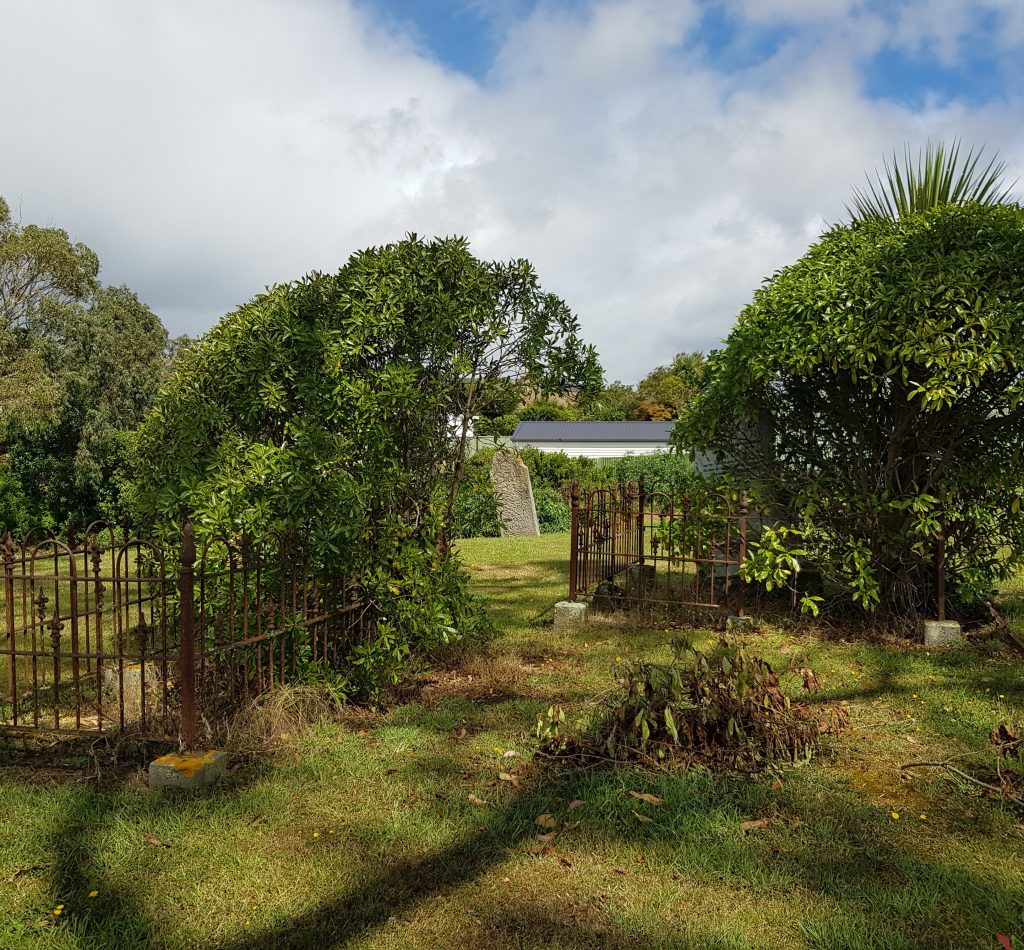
pixel 656 160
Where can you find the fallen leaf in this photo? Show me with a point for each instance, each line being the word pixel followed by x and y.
pixel 474 800
pixel 647 797
pixel 156 842
pixel 547 837
pixel 507 777
pixel 258 821
pixel 1005 942
pixel 570 826
pixel 643 818
pixel 777 784
pixel 811 683
pixel 543 849
pixel 546 821
pixel 511 754
pixel 565 862
pixel 756 824
pixel 25 870
pixel 391 771
pixel 575 803
pixel 506 880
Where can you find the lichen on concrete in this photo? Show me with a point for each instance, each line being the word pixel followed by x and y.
pixel 187 770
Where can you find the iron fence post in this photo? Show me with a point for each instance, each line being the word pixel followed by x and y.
pixel 186 649
pixel 641 514
pixel 574 538
pixel 7 544
pixel 743 551
pixel 940 556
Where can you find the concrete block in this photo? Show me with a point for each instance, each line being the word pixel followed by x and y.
pixel 187 771
pixel 571 613
pixel 940 633
pixel 736 624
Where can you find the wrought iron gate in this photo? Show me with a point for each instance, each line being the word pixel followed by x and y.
pixel 629 544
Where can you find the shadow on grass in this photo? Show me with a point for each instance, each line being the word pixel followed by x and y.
pixel 115 917
pixel 867 884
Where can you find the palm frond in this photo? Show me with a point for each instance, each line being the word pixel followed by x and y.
pixel 938 177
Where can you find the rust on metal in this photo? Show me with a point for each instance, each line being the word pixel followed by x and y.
pixel 631 544
pixel 114 634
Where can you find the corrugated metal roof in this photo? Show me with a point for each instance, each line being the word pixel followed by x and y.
pixel 593 432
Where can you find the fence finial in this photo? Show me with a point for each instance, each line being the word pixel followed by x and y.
pixel 188 545
pixel 7 544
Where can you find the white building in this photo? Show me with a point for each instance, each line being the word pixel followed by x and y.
pixel 595 440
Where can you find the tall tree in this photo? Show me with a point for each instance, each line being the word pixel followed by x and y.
pixel 882 370
pixel 40 270
pixel 327 405
pixel 81 366
pixel 666 391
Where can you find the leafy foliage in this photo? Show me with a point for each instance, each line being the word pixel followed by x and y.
pixel 666 391
pixel 883 368
pixel 326 405
pixel 722 709
pixel 772 560
pixel 82 366
pixel 938 178
pixel 40 269
pixel 553 514
pixel 109 359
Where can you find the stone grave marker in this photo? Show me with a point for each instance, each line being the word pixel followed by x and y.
pixel 511 481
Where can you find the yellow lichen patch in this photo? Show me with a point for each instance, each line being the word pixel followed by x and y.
pixel 188 765
pixel 882 788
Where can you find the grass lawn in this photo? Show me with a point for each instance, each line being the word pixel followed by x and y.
pixel 395 830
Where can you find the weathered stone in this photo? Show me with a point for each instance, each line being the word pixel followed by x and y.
pixel 737 624
pixel 639 580
pixel 127 686
pixel 940 633
pixel 511 481
pixel 571 613
pixel 187 771
pixel 608 596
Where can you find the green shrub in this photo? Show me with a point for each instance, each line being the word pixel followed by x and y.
pixel 668 472
pixel 558 470
pixel 325 406
pixel 475 513
pixel 553 514
pixel 876 374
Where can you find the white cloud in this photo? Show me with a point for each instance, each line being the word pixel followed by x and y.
pixel 205 150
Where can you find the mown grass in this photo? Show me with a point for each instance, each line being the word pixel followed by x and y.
pixel 364 833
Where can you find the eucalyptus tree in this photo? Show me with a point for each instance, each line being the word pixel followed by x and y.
pixel 40 270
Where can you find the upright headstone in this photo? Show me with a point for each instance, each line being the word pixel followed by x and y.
pixel 511 481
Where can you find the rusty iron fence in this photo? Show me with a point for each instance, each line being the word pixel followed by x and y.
pixel 629 545
pixel 111 633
